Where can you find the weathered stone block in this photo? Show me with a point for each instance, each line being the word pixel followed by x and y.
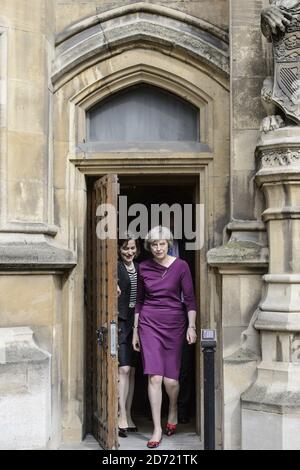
pixel 243 188
pixel 239 373
pixel 25 391
pixel 28 202
pixel 22 14
pixel 26 156
pixel 247 107
pixel 246 47
pixel 27 106
pixel 244 145
pixel 22 63
pixel 270 431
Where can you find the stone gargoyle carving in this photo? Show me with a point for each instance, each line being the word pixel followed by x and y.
pixel 280 24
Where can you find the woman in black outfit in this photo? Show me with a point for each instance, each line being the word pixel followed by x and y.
pixel 127 289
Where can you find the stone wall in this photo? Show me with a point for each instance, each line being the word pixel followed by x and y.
pixel 35 301
pixel 213 11
pixel 43 196
pixel 249 66
pixel 30 262
pixel 25 391
pixel 27 47
pixel 243 258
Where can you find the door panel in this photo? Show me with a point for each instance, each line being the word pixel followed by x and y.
pixel 105 416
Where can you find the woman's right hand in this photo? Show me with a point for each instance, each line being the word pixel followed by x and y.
pixel 136 341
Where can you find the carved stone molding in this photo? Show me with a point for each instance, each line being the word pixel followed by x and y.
pixel 147 26
pixel 240 253
pixel 280 158
pixel 33 252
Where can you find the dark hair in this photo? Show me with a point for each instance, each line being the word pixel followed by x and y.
pixel 123 242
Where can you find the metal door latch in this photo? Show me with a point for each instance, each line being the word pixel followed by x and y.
pixel 113 339
pixel 101 332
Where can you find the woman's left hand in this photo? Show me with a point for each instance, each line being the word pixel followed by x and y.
pixel 191 335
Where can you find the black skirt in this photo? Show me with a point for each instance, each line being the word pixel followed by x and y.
pixel 126 354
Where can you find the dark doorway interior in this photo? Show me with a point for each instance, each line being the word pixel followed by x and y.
pixel 147 190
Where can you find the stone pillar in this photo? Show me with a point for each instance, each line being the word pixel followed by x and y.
pixel 271 407
pixel 240 265
pixel 26 52
pixel 249 59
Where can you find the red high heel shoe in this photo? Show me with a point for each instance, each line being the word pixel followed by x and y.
pixel 170 429
pixel 153 444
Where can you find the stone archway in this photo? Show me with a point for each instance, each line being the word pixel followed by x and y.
pixel 154 26
pixel 80 80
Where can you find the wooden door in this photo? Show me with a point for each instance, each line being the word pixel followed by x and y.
pixel 105 419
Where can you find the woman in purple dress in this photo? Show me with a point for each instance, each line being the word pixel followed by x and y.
pixel 165 294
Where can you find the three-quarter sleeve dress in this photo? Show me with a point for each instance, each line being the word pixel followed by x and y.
pixel 162 315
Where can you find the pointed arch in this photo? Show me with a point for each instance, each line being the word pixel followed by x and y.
pixel 89 96
pixel 143 113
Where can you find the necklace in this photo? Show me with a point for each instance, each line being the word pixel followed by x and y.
pixel 130 269
pixel 164 273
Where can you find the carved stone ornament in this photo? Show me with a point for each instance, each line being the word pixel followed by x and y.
pixel 284 157
pixel 286 46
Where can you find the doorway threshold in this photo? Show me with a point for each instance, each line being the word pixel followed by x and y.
pixel 89 443
pixel 184 439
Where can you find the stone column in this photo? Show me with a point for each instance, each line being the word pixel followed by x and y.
pixel 242 259
pixel 26 53
pixel 271 407
pixel 249 61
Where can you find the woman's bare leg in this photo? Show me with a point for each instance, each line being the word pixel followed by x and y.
pixel 155 398
pixel 172 389
pixel 130 397
pixel 124 374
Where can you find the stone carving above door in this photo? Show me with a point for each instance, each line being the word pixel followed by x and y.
pixel 139 25
pixel 280 24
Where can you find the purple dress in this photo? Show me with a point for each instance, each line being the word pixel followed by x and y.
pixel 162 315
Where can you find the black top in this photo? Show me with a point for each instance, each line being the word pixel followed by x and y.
pixel 125 286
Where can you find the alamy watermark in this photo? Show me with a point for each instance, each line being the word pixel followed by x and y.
pixel 186 221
